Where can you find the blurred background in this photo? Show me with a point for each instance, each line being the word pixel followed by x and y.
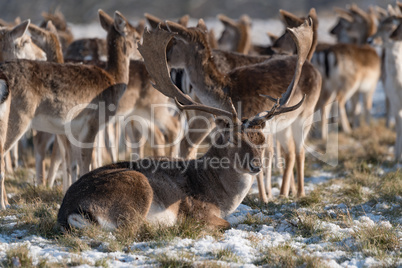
pixel 85 11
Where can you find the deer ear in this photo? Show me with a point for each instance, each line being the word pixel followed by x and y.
pixel 20 29
pixel 51 28
pixel 290 19
pixel 152 20
pixel 105 20
pixel 272 37
pixel 397 34
pixel 184 20
pixel 201 25
pixel 175 27
pixel 228 22
pixel 140 27
pixel 120 23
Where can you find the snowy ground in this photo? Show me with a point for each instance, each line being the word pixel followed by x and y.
pixel 332 239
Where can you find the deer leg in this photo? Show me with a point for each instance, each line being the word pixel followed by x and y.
pixel 41 142
pixel 112 141
pixel 344 117
pixel 3 194
pixel 218 223
pixel 388 112
pixel 288 146
pixel 62 142
pixel 368 105
pixel 199 127
pixel 261 189
pixel 278 157
pixel 55 161
pixel 398 145
pixel 157 140
pixel 173 128
pixel 8 163
pixel 356 108
pixel 267 166
pixel 136 140
pixel 14 156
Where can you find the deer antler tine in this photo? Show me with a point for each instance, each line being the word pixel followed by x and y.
pixel 292 108
pixel 204 108
pixel 303 37
pixel 274 100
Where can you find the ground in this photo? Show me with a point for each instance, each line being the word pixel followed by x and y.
pixel 350 217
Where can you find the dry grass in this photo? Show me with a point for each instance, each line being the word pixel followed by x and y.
pixel 286 256
pixel 377 240
pixel 18 257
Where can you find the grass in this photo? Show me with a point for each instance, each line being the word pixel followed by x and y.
pixel 307 224
pixel 286 256
pixel 357 182
pixel 256 220
pixel 18 257
pixel 226 255
pixel 166 261
pixel 376 240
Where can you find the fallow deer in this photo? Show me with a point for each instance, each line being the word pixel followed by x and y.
pixel 138 100
pixel 16 44
pixel 190 51
pixel 389 35
pixel 346 69
pixel 161 191
pixel 354 27
pixel 48 40
pixel 53 101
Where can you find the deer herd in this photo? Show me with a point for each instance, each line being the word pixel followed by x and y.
pixel 181 88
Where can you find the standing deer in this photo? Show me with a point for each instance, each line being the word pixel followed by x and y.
pixel 347 70
pixel 389 35
pixel 139 100
pixel 161 191
pixel 16 44
pixel 48 40
pixel 50 98
pixel 352 68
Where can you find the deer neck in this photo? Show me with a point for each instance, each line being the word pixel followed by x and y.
pixel 53 52
pixel 118 60
pixel 393 50
pixel 228 186
pixel 207 80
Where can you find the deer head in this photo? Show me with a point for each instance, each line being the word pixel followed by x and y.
pixel 58 20
pixel 354 25
pixel 384 30
pixel 16 44
pixel 236 35
pixel 48 40
pixel 124 28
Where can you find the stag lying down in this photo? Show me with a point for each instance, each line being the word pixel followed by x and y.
pixel 161 191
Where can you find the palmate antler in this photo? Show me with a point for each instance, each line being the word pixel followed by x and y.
pixel 153 50
pixel 303 37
